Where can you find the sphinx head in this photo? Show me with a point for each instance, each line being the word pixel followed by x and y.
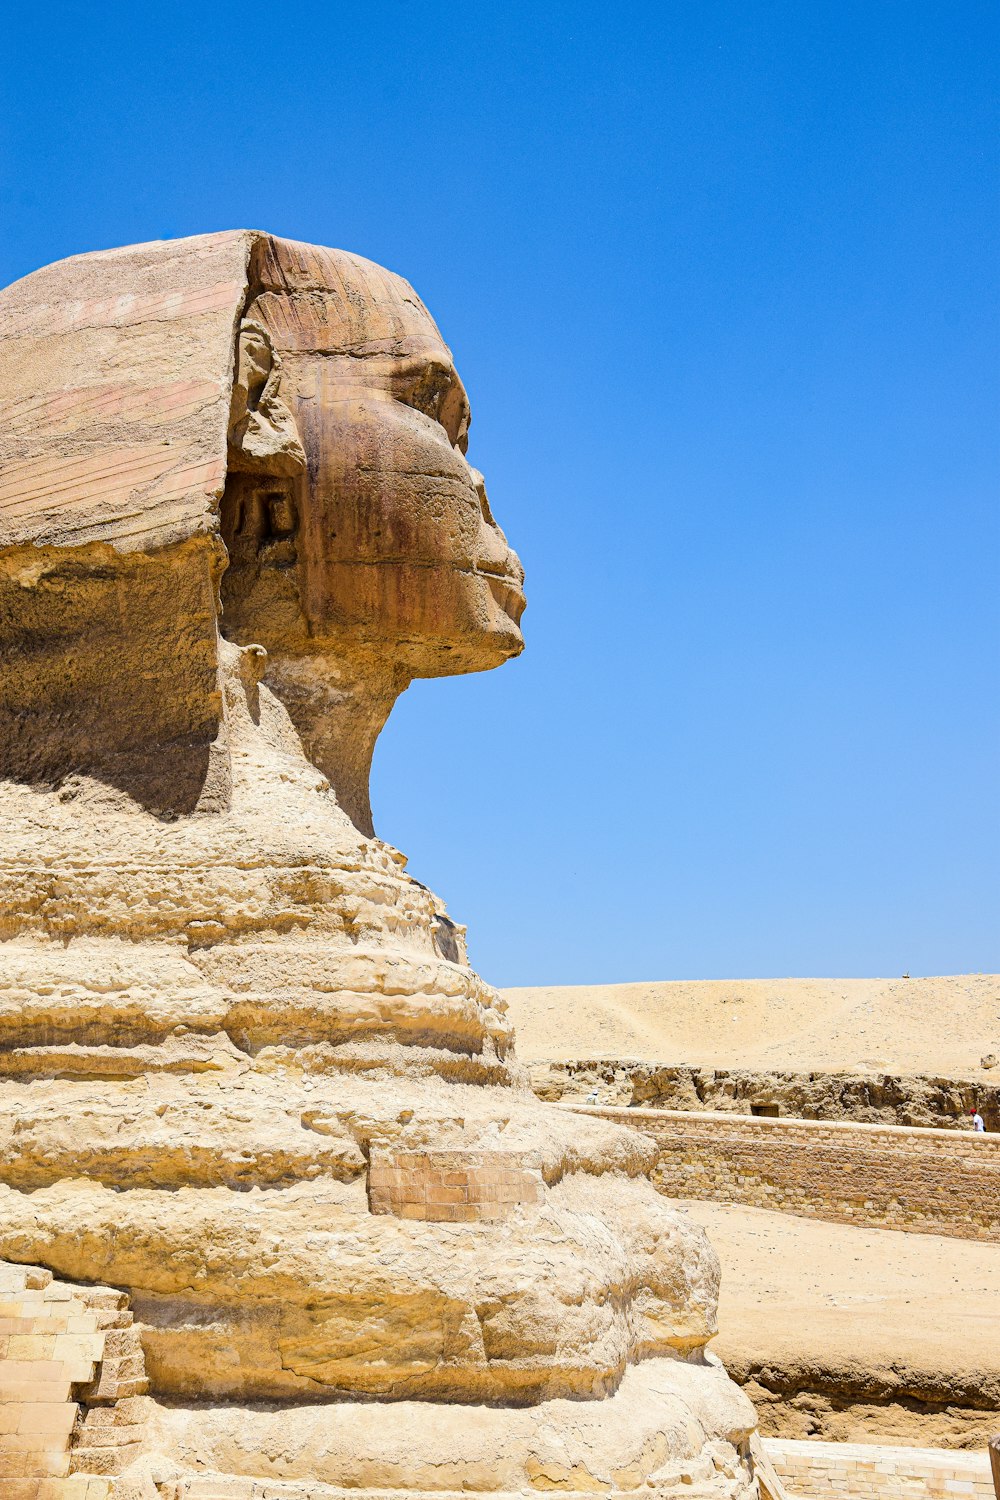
pixel 241 435
pixel 380 539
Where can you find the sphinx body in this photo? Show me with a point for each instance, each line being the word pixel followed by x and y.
pixel 246 1072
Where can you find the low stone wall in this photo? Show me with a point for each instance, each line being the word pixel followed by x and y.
pixel 881 1176
pixel 823 1470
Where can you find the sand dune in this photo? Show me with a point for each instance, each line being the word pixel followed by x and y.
pixel 941 1026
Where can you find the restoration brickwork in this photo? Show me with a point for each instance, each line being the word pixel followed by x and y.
pixel 860 1469
pixel 453 1186
pixel 880 1176
pixel 71 1373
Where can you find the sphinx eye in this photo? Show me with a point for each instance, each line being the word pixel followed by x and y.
pixel 436 392
pixel 426 393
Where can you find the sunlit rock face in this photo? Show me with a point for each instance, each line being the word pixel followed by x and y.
pixel 247 1074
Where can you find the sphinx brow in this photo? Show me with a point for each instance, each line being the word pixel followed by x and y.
pixel 417 366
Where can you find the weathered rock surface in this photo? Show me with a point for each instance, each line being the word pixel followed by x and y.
pixel 870 1098
pixel 236 519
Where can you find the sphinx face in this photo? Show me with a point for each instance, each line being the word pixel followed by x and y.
pixel 389 529
pixel 327 450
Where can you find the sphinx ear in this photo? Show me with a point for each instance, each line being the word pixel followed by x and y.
pixel 262 434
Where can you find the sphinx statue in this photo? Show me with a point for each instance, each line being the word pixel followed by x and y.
pixel 247 1076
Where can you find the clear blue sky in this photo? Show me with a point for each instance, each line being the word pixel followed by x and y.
pixel 721 279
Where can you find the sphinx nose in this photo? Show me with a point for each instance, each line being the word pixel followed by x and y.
pixel 497 549
pixel 484 504
pixel 513 564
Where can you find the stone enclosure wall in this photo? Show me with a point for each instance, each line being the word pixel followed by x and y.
pixel 882 1176
pixel 861 1469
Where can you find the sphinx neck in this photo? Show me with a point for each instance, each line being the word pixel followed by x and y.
pixel 339 710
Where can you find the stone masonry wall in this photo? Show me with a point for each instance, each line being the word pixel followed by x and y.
pixel 72 1379
pixel 49 1343
pixel 452 1186
pixel 821 1471
pixel 882 1176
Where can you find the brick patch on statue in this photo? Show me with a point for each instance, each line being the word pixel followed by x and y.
pixel 453 1186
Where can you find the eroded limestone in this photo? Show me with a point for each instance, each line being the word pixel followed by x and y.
pixel 236 519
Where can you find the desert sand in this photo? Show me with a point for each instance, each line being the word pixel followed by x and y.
pixel 835 1331
pixel 941 1026
pixel 852 1334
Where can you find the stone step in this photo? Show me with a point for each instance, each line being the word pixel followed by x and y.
pixel 129 1412
pixel 110 1460
pixel 117 1379
pixel 244 1487
pixel 103 1296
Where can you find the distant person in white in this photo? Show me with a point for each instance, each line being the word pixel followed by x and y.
pixel 977 1122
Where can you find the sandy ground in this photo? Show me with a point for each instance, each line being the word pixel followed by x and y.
pixel 837 1332
pixel 858 1334
pixel 938 1026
